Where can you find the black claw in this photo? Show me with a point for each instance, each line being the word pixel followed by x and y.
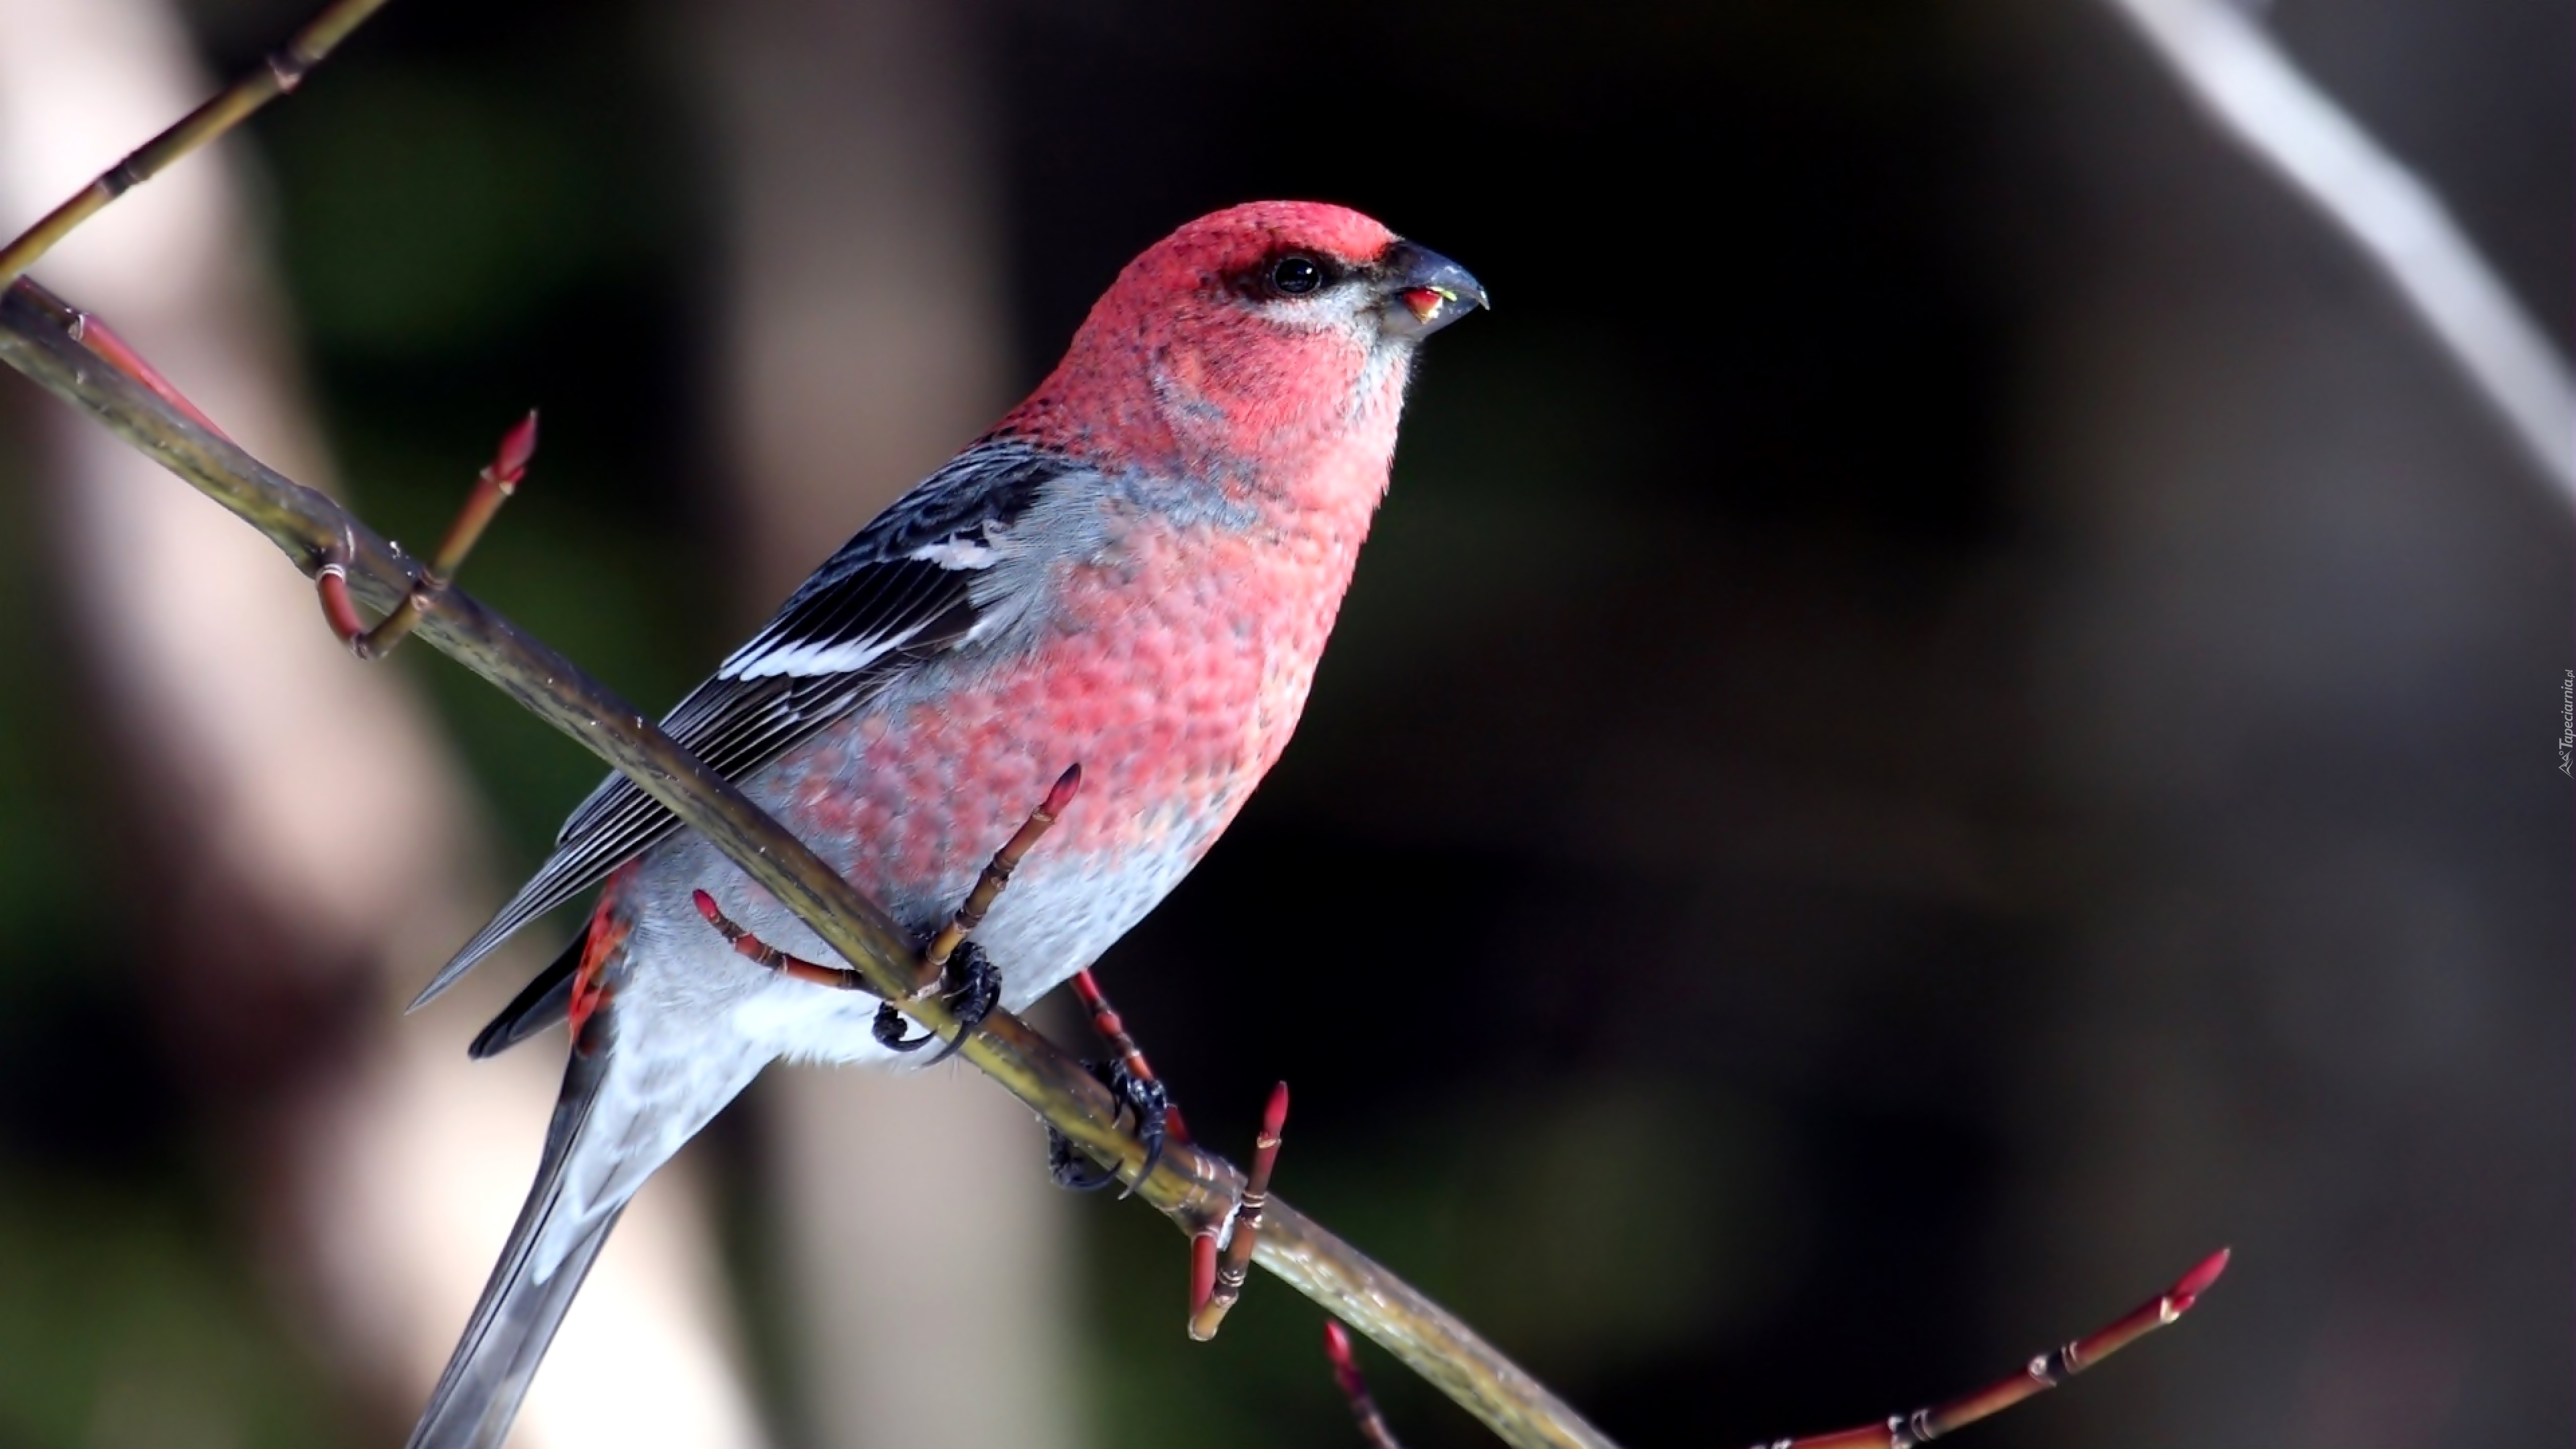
pixel 1153 1106
pixel 888 1030
pixel 1147 1099
pixel 977 992
pixel 1074 1171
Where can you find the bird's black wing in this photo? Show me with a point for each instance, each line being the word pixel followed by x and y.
pixel 899 592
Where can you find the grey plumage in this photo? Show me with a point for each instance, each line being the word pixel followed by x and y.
pixel 516 1318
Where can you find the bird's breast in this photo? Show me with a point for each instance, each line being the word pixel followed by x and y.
pixel 1172 664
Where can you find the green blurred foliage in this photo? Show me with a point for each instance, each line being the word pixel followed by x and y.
pixel 125 1316
pixel 46 853
pixel 122 1327
pixel 424 209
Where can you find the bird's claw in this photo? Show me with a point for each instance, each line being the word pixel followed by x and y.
pixel 974 989
pixel 1151 1103
pixel 888 1031
pixel 977 992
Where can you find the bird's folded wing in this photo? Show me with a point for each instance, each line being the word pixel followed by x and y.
pixel 905 589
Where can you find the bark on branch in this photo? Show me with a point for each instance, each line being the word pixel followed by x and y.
pixel 1195 1188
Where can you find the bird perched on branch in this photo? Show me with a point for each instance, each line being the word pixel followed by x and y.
pixel 1134 572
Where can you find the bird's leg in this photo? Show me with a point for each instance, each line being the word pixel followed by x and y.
pixel 977 990
pixel 1216 1277
pixel 1151 1105
pixel 1113 1030
pixel 888 1030
pixel 1130 1078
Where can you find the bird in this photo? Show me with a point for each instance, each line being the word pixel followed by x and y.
pixel 1133 573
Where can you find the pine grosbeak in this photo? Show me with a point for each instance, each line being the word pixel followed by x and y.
pixel 1135 571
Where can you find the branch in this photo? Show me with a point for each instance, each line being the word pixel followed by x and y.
pixel 2241 78
pixel 1899 1431
pixel 1197 1189
pixel 1214 1287
pixel 281 72
pixel 2045 1372
pixel 492 488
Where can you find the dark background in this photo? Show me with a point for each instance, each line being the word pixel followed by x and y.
pixel 1951 708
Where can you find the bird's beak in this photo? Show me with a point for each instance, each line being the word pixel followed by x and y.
pixel 1423 291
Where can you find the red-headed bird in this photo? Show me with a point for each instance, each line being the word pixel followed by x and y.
pixel 1135 571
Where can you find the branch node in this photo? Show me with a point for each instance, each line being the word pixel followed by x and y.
pixel 288 69
pixel 221 112
pixel 492 488
pixel 91 331
pixel 1207 1313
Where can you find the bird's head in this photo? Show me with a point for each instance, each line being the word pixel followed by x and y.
pixel 1259 331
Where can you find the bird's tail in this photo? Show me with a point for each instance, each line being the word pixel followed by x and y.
pixel 516 1319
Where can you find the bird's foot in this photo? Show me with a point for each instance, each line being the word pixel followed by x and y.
pixel 1142 1096
pixel 977 992
pixel 973 988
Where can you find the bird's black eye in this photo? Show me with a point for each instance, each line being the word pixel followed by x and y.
pixel 1295 276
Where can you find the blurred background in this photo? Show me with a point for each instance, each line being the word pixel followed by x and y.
pixel 1952 708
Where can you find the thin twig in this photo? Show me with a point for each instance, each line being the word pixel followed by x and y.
pixel 2037 1377
pixel 283 70
pixel 1210 1303
pixel 997 874
pixel 2244 81
pixel 91 331
pixel 1354 1385
pixel 1193 1187
pixel 752 948
pixel 493 486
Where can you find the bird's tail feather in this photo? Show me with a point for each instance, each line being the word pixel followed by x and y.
pixel 515 1320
